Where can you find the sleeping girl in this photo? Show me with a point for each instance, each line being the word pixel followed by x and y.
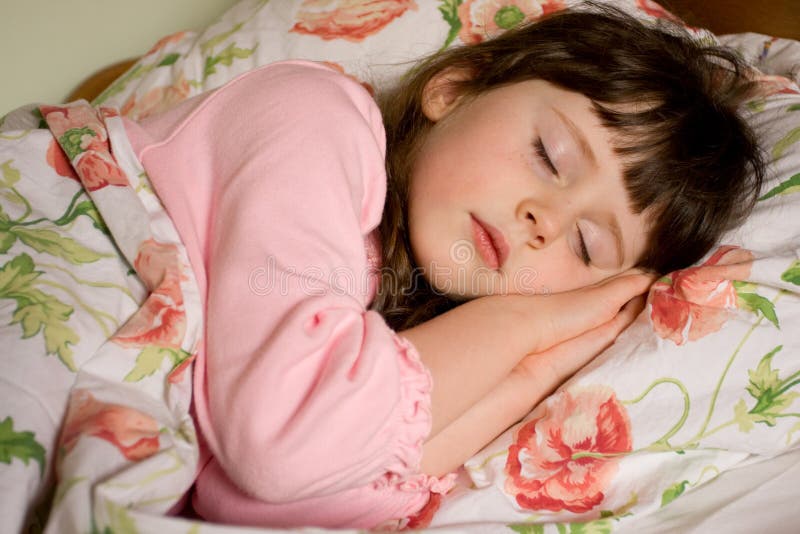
pixel 388 286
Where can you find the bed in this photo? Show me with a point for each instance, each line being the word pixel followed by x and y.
pixel 689 423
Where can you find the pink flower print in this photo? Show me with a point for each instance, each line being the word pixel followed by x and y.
pixel 161 320
pixel 656 10
pixel 59 162
pixel 98 169
pixel 134 433
pixel 484 19
pixel 352 20
pixel 694 302
pixel 176 375
pixel 546 469
pixel 423 518
pixel 164 41
pixel 157 99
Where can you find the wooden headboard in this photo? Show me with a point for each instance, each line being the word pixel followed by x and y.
pixel 780 18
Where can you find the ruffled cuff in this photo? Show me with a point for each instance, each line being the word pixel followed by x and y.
pixel 414 426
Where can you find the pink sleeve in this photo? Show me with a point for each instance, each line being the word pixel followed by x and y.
pixel 307 393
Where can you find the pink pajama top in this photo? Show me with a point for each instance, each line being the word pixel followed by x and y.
pixel 311 409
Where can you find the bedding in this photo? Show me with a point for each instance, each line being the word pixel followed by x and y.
pixel 697 398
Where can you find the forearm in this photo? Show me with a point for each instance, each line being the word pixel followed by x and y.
pixel 470 349
pixel 507 403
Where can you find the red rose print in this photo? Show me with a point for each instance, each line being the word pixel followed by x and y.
pixel 176 375
pixel 694 302
pixel 545 466
pixel 59 162
pixel 352 20
pixel 98 169
pixel 161 320
pixel 157 99
pixel 424 517
pixel 164 41
pixel 484 19
pixel 134 433
pixel 655 10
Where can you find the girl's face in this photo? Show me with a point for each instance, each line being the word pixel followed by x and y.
pixel 530 165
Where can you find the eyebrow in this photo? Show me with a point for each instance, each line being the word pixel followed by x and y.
pixel 587 152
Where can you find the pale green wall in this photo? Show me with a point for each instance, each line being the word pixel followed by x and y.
pixel 49 46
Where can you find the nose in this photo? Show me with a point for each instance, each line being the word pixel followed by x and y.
pixel 543 225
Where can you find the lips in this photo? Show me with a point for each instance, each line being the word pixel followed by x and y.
pixel 490 242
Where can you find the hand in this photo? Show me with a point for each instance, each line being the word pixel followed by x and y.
pixel 596 310
pixel 553 366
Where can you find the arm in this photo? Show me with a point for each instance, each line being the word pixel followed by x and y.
pixel 471 348
pixel 528 383
pixel 306 394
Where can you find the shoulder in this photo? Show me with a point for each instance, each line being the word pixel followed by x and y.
pixel 303 90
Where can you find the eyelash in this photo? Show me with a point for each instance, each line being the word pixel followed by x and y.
pixel 541 151
pixel 584 252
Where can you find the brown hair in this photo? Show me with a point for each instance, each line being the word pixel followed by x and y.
pixel 688 155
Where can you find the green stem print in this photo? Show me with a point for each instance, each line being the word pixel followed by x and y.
pixel 449 11
pixel 138 71
pixel 792 185
pixel 663 442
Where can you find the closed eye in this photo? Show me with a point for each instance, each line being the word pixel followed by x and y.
pixel 541 151
pixel 584 252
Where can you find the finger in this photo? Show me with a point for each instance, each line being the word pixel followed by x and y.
pixel 573 313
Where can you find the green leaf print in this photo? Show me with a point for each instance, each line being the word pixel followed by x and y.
pixel 50 242
pixel 226 58
pixel 208 47
pixel 673 492
pixel 169 59
pixel 780 147
pixel 449 11
pixel 147 363
pixel 757 106
pixel 37 311
pixel 771 393
pixel 794 107
pixel 792 274
pixel 598 526
pixel 527 529
pixel 120 522
pixel 10 174
pixel 6 240
pixel 21 445
pixel 72 139
pixel 150 359
pixel 792 185
pixel 764 378
pixel 752 301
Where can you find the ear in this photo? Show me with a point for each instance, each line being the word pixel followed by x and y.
pixel 441 94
